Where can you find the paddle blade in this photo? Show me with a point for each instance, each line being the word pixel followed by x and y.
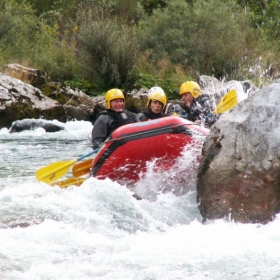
pixel 82 168
pixel 227 102
pixel 53 171
pixel 69 182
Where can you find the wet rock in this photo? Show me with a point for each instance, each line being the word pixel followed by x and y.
pixel 19 100
pixel 239 174
pixel 32 124
pixel 34 77
pixel 76 104
pixel 136 99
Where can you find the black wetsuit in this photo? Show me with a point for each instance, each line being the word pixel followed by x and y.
pixel 106 122
pixel 201 110
pixel 148 115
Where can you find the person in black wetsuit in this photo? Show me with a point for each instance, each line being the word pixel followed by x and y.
pixel 155 104
pixel 113 117
pixel 158 107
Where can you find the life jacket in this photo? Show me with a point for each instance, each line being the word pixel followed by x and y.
pixel 119 118
pixel 167 108
pixel 151 116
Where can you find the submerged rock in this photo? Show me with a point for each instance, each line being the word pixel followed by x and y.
pixel 31 124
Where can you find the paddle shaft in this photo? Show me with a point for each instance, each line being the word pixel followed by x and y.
pixel 89 154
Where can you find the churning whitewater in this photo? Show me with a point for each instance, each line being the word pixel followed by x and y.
pixel 100 231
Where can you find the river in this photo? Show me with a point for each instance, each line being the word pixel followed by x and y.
pixel 100 231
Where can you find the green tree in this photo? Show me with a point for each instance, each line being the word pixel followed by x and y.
pixel 150 5
pixel 27 40
pixel 108 47
pixel 259 9
pixel 17 29
pixel 264 15
pixel 42 8
pixel 210 37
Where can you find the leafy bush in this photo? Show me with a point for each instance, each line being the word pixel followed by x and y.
pixel 109 49
pixel 84 85
pixel 17 29
pixel 95 45
pixel 209 37
pixel 26 40
pixel 57 54
pixel 161 73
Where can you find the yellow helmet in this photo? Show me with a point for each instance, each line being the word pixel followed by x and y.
pixel 111 95
pixel 159 96
pixel 192 87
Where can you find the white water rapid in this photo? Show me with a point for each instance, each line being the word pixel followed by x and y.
pixel 100 231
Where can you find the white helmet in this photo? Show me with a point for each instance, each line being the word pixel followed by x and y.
pixel 155 89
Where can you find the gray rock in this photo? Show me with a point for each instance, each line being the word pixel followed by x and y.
pixel 32 124
pixel 19 100
pixel 239 175
pixel 34 77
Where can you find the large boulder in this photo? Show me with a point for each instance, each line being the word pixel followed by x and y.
pixel 136 99
pixel 239 174
pixel 32 76
pixel 19 100
pixel 77 105
pixel 53 101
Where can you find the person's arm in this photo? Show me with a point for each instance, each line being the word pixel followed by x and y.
pixel 169 110
pixel 133 116
pixel 175 110
pixel 205 107
pixel 100 131
pixel 180 111
pixel 141 117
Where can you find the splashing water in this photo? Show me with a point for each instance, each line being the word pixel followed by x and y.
pixel 100 231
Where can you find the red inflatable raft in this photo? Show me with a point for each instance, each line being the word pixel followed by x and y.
pixel 124 155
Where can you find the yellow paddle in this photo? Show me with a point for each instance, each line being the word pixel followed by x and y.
pixel 56 170
pixel 69 182
pixel 227 102
pixel 82 168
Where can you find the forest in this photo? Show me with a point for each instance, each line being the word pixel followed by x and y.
pixel 94 45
